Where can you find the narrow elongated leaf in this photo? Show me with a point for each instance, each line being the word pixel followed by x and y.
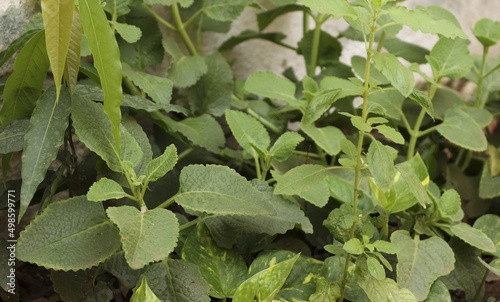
pixel 147 236
pixel 72 234
pixel 72 66
pixel 474 237
pixel 248 131
pixel 25 84
pixel 144 293
pixel 17 44
pixel 493 266
pixel 162 164
pixel 220 190
pixel 450 58
pixel 158 88
pixel 461 129
pixel 223 269
pixel 268 84
pixel 307 181
pixel 42 140
pixel 12 137
pixel 399 76
pixel 381 165
pixel 57 20
pixel 285 145
pixel 105 189
pixel 102 44
pixel 421 262
pixel 265 284
pixel 328 138
pixel 336 8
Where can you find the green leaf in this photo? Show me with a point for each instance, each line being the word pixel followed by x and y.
pixel 80 286
pixel 359 65
pixel 326 291
pixel 421 262
pixel 489 187
pixel 129 33
pixel 494 266
pixel 220 190
pixel 399 76
pixel 381 165
pixel 104 48
pixel 72 234
pixel 307 181
pixel 319 104
pixel 159 166
pixel 423 100
pixel 72 66
pixel 391 134
pixel 410 52
pixel 186 71
pixel 450 58
pixel 225 10
pixel 118 267
pixel 482 116
pixel 42 141
pixel 24 86
pixel 141 139
pixel 391 101
pixel 248 131
pixel 143 293
pixel 212 94
pixel 264 19
pixel 385 247
pixel 105 189
pixel 202 131
pixel 265 284
pixel 285 145
pixel 348 148
pixel 450 206
pixel 487 32
pixel 359 123
pixel 57 20
pixel 250 35
pixel 489 224
pixel 12 136
pixel 158 88
pixel 461 129
pixel 268 84
pixel 415 185
pixel 223 269
pixel 183 3
pixel 130 150
pixel 17 44
pixel 146 236
pixel 354 246
pixel 329 48
pixel 474 237
pixel 328 138
pixel 375 268
pixel 337 8
pixel 419 19
pixel 438 293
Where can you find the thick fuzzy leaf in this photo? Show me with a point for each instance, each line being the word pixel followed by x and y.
pixel 73 234
pixel 72 66
pixel 57 20
pixel 450 58
pixel 223 269
pixel 248 131
pixel 142 140
pixel 42 141
pixel 489 224
pixel 225 10
pixel 186 71
pixel 249 35
pixel 118 267
pixel 391 134
pixel 423 100
pixel 268 84
pixel 381 165
pixel 307 181
pixel 450 206
pixel 146 236
pixel 285 145
pixel 159 166
pixel 102 44
pixel 421 262
pixel 12 137
pixel 25 84
pixel 399 76
pixel 158 88
pixel 384 290
pixel 354 246
pixel 474 237
pixel 489 187
pixel 212 93
pixel 105 189
pixel 319 104
pixel 129 33
pixel 328 138
pixel 220 190
pixel 461 129
pixel 143 293
pixel 265 284
pixel 419 19
pixel 336 8
pixel 438 293
pixel 487 32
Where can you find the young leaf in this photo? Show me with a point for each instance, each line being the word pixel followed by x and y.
pixel 12 136
pixel 423 100
pixel 129 33
pixel 102 44
pixel 73 234
pixel 268 84
pixel 354 246
pixel 319 104
pixel 450 206
pixel 159 89
pixel 375 268
pixel 130 150
pixel 248 131
pixel 474 237
pixel 391 134
pixel 220 190
pixel 223 269
pixel 421 262
pixel 57 20
pixel 489 224
pixel 225 10
pixel 307 181
pixel 72 66
pixel 42 141
pixel 450 58
pixel 381 165
pixel 162 164
pixel 348 148
pixel 285 145
pixel 147 236
pixel 328 138
pixel 416 187
pixel 399 76
pixel 105 189
pixel 143 293
pixel 337 8
pixel 24 86
pixel 438 293
pixel 461 129
pixel 487 32
pixel 386 247
pixel 265 284
pixel 141 139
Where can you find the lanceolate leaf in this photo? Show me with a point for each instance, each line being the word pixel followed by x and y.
pixel 72 234
pixel 102 44
pixel 12 137
pixel 105 189
pixel 16 45
pixel 248 131
pixel 461 129
pixel 147 236
pixel 42 140
pixel 399 76
pixel 24 86
pixel 57 19
pixel 73 57
pixel 162 164
pixel 249 35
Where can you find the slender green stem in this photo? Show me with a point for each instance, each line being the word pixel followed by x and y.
pixel 491 71
pixel 377 90
pixel 315 45
pixel 381 42
pixel 263 120
pixel 305 23
pixel 303 153
pixel 477 297
pixel 405 121
pixel 480 82
pixel 468 158
pixel 159 19
pixel 321 154
pixel 182 31
pixel 185 153
pixel 286 45
pixel 193 17
pixel 257 167
pixel 188 225
pixel 131 86
pixel 427 131
pixel 167 203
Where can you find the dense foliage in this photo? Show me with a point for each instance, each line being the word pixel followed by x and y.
pixel 393 199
